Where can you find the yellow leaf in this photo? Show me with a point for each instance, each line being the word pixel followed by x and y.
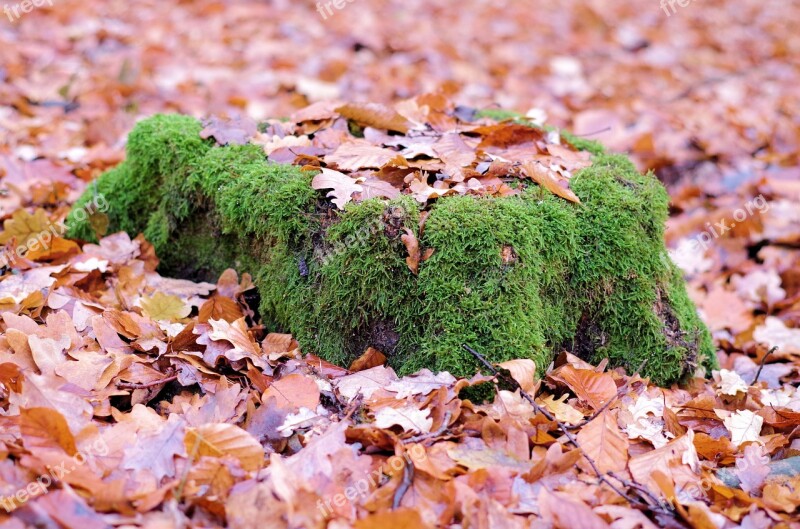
pixel 221 439
pixel 165 307
pixel 562 411
pixel 23 226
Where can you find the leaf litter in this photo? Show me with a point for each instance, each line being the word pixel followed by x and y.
pixel 190 412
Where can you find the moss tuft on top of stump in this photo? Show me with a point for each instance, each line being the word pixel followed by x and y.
pixel 522 276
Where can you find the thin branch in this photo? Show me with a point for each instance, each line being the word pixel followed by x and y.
pixel 571 438
pixel 429 435
pixel 408 477
pixel 763 361
pixel 145 385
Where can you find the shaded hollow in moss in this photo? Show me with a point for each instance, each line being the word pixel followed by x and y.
pixel 524 276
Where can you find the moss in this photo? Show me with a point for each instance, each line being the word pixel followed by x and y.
pixel 479 393
pixel 522 276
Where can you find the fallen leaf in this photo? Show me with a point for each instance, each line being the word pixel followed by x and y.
pixel 46 428
pixel 412 247
pixel 523 370
pixel 236 131
pixel 744 426
pixel 371 358
pixel 342 185
pixel 603 441
pixel 165 307
pixel 374 115
pixel 549 180
pixel 222 439
pixel 409 418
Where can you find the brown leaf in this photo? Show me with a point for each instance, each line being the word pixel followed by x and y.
pixel 293 391
pixel 603 441
pixel 220 308
pixel 58 248
pixel 276 343
pixel 402 518
pixel 46 428
pixel 589 386
pixel 375 115
pixel 360 154
pixel 376 188
pixel 523 370
pixel 343 186
pixel 565 512
pixel 549 180
pixel 371 358
pixel 412 246
pixel 223 439
pixel 236 131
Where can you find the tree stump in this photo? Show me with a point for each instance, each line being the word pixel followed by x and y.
pixel 523 276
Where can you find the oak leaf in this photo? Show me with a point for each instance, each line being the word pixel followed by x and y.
pixel 342 185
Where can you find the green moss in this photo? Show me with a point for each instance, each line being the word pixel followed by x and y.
pixel 479 393
pixel 523 276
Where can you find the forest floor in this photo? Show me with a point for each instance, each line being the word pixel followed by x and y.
pixel 102 359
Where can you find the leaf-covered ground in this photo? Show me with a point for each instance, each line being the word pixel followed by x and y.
pixel 133 400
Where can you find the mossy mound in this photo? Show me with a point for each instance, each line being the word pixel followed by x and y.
pixel 519 276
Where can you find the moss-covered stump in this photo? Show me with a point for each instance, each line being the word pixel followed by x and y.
pixel 519 276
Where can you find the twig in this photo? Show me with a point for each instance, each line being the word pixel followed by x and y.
pixel 144 385
pixel 408 477
pixel 763 361
pixel 571 438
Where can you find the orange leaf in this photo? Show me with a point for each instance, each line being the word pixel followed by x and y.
pixel 375 115
pixel 603 441
pixel 46 428
pixel 220 308
pixel 371 358
pixel 414 254
pixel 221 439
pixel 523 370
pixel 589 386
pixel 549 180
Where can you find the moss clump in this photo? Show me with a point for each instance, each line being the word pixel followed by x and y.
pixel 522 276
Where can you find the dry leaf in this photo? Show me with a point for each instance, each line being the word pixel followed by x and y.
pixel 343 186
pixel 221 439
pixel 412 247
pixel 523 370
pixel 371 358
pixel 603 441
pixel 374 115
pixel 549 180
pixel 165 307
